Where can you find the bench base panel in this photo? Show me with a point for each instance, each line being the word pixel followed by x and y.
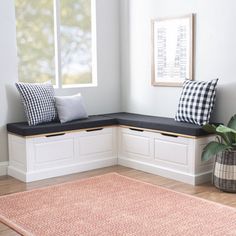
pixel 165 172
pixel 60 171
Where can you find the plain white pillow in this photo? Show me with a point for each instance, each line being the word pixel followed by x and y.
pixel 70 107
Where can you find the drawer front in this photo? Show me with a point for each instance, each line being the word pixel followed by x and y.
pixel 96 143
pixel 171 152
pixel 52 151
pixel 136 143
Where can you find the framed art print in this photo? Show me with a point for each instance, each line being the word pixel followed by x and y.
pixel 172 50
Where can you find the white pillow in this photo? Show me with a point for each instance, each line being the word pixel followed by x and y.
pixel 70 108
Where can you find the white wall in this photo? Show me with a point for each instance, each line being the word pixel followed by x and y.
pixel 105 98
pixel 10 108
pixel 215 54
pixel 102 99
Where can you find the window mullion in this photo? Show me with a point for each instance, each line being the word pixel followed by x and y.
pixel 94 41
pixel 57 43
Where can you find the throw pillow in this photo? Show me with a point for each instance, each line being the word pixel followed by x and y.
pixel 70 108
pixel 196 101
pixel 38 101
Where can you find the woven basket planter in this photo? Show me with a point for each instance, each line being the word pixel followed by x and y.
pixel 224 176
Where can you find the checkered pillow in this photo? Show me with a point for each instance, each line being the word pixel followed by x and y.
pixel 196 102
pixel 39 103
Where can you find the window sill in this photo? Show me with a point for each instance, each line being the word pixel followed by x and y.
pixel 71 86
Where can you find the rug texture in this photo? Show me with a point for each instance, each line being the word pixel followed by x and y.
pixel 114 205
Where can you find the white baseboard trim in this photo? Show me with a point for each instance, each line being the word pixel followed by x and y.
pixel 60 171
pixel 165 172
pixel 81 167
pixel 3 168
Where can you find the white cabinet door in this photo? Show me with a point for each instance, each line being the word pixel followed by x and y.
pixel 51 150
pixel 136 143
pixel 96 143
pixel 172 151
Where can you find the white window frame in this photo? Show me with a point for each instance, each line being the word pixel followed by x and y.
pixel 57 49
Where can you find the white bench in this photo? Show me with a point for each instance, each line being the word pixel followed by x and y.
pixel 142 142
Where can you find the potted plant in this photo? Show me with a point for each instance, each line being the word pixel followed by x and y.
pixel 224 151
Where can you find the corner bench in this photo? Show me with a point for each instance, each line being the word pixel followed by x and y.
pixel 153 144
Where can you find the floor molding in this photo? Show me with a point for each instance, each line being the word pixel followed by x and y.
pixel 166 172
pixel 62 170
pixel 3 168
pixel 179 176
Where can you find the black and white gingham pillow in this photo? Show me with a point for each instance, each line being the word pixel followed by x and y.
pixel 196 102
pixel 39 102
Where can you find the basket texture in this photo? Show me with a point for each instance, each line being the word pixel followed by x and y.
pixel 224 176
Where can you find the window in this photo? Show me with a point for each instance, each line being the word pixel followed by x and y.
pixel 55 41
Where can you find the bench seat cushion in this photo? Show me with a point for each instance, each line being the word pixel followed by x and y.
pixel 23 129
pixel 158 123
pixel 128 119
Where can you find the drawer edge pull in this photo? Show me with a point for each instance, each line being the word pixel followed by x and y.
pixel 138 130
pixel 96 129
pixel 54 135
pixel 170 135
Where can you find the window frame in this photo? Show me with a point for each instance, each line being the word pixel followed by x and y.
pixel 57 48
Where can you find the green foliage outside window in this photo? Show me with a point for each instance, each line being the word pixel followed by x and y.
pixel 36 41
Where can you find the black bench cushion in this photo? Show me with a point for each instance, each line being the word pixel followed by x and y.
pixel 23 129
pixel 135 120
pixel 158 123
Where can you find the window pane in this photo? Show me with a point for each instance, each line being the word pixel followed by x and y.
pixel 35 40
pixel 75 29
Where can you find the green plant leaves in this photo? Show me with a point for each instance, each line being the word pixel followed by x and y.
pixel 232 122
pixel 212 149
pixel 228 133
pixel 209 128
pixel 226 136
pixel 227 141
pixel 225 129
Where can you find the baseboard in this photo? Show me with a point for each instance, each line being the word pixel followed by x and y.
pixel 165 172
pixel 203 177
pixel 3 168
pixel 16 173
pixel 81 167
pixel 60 171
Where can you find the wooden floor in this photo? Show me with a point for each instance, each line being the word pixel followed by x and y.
pixel 207 191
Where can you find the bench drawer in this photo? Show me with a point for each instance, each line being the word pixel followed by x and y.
pixel 136 143
pixel 52 150
pixel 172 151
pixel 95 143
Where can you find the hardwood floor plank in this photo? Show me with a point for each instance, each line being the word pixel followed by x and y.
pixel 10 185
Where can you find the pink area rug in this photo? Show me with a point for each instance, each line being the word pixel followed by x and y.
pixel 113 205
